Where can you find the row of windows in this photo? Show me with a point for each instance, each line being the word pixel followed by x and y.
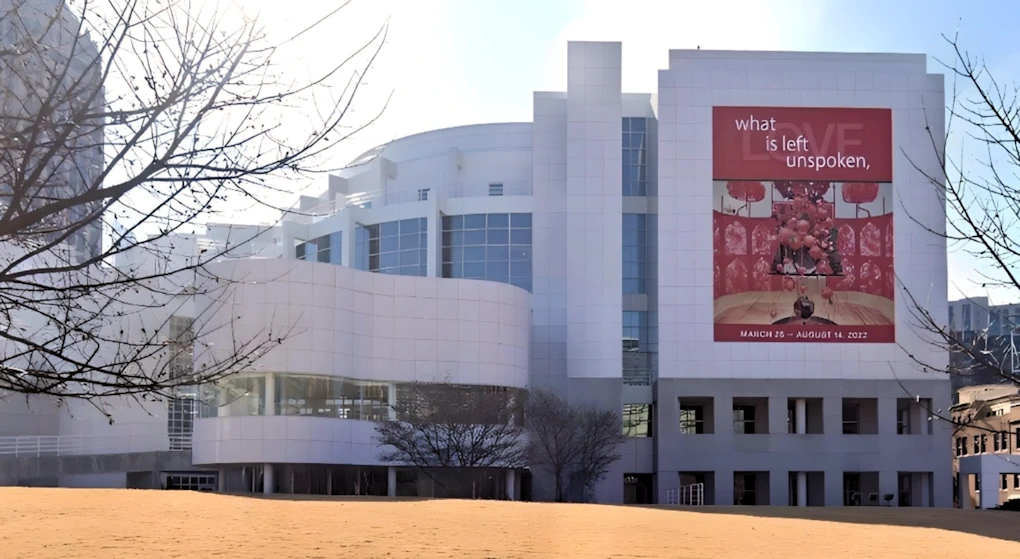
pixel 494 247
pixel 751 416
pixel 319 396
pixel 1000 443
pixel 1004 481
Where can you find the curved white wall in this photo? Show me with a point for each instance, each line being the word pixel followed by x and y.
pixel 451 163
pixel 361 325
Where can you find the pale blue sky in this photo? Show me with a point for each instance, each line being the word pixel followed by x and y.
pixel 452 62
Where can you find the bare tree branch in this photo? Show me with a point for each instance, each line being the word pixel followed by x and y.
pixel 443 425
pixel 981 196
pixel 145 119
pixel 575 444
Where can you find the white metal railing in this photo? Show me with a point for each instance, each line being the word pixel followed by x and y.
pixel 83 445
pixel 379 198
pixel 687 496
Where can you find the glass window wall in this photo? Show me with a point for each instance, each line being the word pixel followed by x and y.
pixel 313 396
pixel 494 247
pixel 635 253
pixel 326 248
pixel 635 156
pixel 395 247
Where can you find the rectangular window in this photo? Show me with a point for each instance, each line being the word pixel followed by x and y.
pixel 326 249
pixel 1016 481
pixel 995 442
pixel 495 189
pixel 494 247
pixel 959 447
pixel 851 419
pixel 966 317
pixel 637 420
pixel 692 420
pixel 398 247
pixel 903 421
pixel 638 357
pixel 743 419
pixel 423 194
pixel 361 248
pixel 635 169
pixel 635 253
pixel 952 322
pixel 1004 482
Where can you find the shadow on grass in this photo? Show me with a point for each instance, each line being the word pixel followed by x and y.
pixel 998 524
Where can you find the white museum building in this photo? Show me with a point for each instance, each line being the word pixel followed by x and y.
pixel 608 251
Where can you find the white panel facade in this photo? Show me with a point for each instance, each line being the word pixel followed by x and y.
pixel 594 210
pixel 344 322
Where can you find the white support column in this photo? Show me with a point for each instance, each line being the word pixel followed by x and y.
pixel 800 416
pixel 800 428
pixel 391 481
pixel 918 418
pixel 270 395
pixel 267 479
pixel 221 401
pixel 511 485
pixel 392 395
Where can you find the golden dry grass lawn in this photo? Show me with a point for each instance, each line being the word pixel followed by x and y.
pixel 107 524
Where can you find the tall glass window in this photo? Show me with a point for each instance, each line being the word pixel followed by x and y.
pixel 327 248
pixel 635 253
pixel 635 157
pixel 638 348
pixel 636 331
pixel 494 247
pixel 397 247
pixel 360 248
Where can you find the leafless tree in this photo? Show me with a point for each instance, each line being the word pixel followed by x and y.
pixel 979 188
pixel 454 427
pixel 145 118
pixel 575 444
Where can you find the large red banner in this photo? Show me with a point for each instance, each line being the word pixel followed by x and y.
pixel 830 144
pixel 803 248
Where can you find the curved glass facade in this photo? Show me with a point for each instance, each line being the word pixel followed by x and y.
pixel 310 396
pixel 494 247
